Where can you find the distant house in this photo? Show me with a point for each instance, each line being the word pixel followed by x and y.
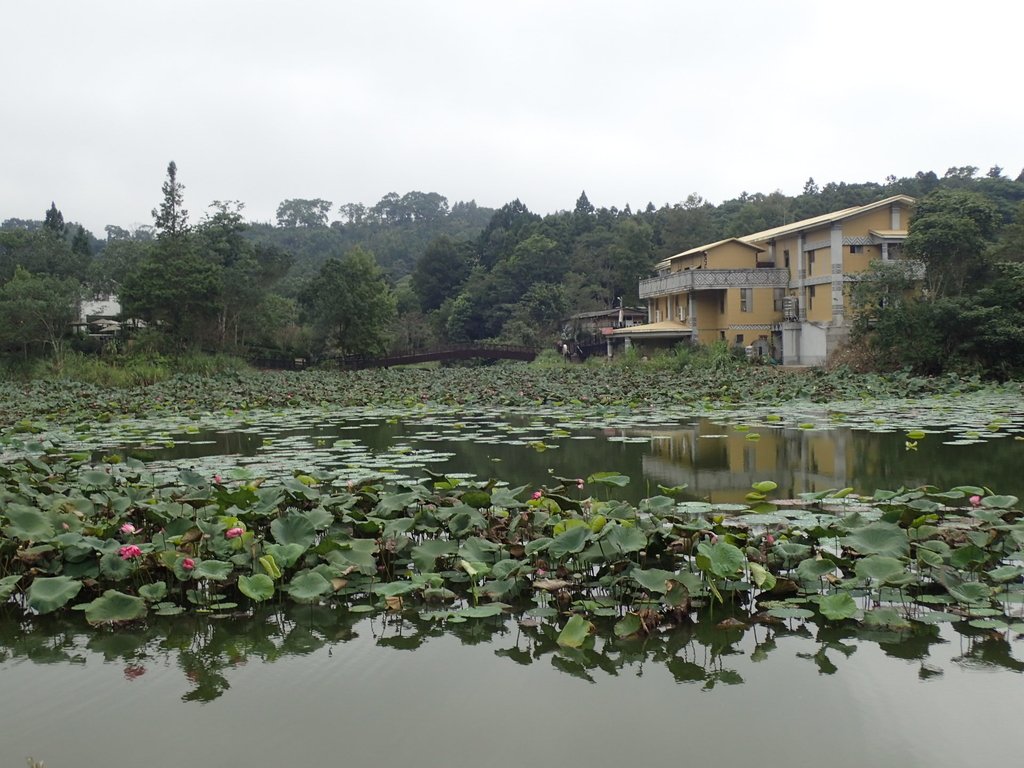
pixel 601 321
pixel 779 293
pixel 99 316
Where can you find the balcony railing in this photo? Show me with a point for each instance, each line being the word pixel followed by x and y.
pixel 711 279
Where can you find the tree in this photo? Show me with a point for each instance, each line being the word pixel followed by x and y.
pixel 54 221
pixel 174 287
pixel 171 218
pixel 298 212
pixel 38 309
pixel 80 244
pixel 350 304
pixel 950 233
pixel 441 272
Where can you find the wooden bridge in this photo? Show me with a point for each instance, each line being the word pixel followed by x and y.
pixel 358 362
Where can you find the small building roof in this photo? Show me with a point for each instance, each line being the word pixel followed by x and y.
pixel 663 329
pixel 709 247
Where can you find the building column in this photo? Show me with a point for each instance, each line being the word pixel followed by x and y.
pixel 885 251
pixel 801 277
pixel 836 261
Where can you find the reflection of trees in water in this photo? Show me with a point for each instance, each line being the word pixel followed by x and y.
pixel 703 652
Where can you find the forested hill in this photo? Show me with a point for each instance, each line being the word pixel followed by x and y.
pixel 396 230
pixel 413 271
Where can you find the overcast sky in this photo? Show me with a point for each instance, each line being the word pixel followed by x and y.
pixel 633 102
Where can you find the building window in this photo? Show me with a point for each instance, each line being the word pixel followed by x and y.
pixel 721 303
pixel 810 263
pixel 856 249
pixel 785 258
pixel 810 298
pixel 777 297
pixel 746 299
pixel 739 338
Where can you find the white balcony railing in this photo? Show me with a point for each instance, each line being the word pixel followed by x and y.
pixel 711 279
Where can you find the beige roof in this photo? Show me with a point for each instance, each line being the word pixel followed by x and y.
pixel 889 233
pixel 666 327
pixel 825 218
pixel 702 248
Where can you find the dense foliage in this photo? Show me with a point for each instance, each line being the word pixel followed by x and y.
pixel 437 273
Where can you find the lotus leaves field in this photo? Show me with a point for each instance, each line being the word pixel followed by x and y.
pixel 120 541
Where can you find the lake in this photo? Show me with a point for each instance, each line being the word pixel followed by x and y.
pixel 323 685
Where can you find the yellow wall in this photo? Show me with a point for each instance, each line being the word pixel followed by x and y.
pixel 819 310
pixel 730 255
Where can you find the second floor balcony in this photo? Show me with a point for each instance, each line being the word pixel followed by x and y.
pixel 712 279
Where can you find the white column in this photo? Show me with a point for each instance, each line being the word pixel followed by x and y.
pixel 836 265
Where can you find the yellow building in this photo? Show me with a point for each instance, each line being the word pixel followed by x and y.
pixel 780 293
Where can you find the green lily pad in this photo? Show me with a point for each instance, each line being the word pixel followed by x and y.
pixel 575 632
pixel 257 587
pixel 113 606
pixel 46 595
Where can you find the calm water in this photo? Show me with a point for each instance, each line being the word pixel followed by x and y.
pixel 319 686
pixel 315 686
pixel 715 460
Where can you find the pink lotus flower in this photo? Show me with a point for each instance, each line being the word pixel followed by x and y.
pixel 234 533
pixel 579 483
pixel 537 494
pixel 129 529
pixel 769 539
pixel 188 564
pixel 975 501
pixel 129 552
pixel 216 479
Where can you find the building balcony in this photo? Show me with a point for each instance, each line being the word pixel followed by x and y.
pixel 712 279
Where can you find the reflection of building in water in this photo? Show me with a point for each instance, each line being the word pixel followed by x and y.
pixel 720 463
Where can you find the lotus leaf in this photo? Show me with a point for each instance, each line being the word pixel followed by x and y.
pixel 761 576
pixel 153 593
pixel 575 632
pixel 479 550
pixel 27 523
pixel 999 502
pixel 1005 573
pixel 722 559
pixel 113 606
pixel 257 587
pixel 214 570
pixel 425 555
pixel 878 539
pixel 813 569
pixel 838 606
pixel 569 542
pixel 630 624
pixel 293 528
pixel 481 611
pixel 609 478
pixel 888 618
pixel 308 586
pixel 970 592
pixel 47 594
pixel 113 566
pixel 624 539
pixel 7 585
pixel 880 569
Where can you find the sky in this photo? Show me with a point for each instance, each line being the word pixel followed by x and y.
pixel 532 99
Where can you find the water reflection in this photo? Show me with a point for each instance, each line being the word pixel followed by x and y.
pixel 209 652
pixel 717 462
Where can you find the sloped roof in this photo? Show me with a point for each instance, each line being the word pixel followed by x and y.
pixel 665 327
pixel 708 247
pixel 825 218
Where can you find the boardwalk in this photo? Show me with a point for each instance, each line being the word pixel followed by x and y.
pixel 457 352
